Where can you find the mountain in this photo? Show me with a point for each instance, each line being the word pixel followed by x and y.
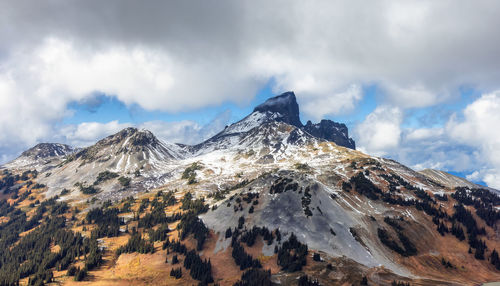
pixel 42 155
pixel 265 193
pixel 132 153
pixel 446 179
pixel 279 109
pixel 284 106
pixel 128 149
pixel 451 181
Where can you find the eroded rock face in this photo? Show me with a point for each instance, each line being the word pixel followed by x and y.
pixel 331 131
pixel 284 104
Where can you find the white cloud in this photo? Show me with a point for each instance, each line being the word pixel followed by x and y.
pixel 175 132
pixel 23 118
pixel 154 55
pixel 478 128
pixel 412 96
pixel 492 178
pixel 468 143
pixel 36 87
pixel 480 121
pixel 337 103
pixel 58 71
pixel 87 133
pixel 431 148
pixel 474 176
pixel 423 134
pixel 380 133
pixel 177 55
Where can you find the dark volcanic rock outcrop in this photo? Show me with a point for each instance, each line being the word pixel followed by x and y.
pixel 284 104
pixel 331 131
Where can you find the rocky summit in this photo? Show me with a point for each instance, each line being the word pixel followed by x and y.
pixel 285 105
pixel 331 131
pixel 266 201
pixel 284 108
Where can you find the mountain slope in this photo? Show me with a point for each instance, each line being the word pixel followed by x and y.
pixel 132 153
pixel 245 191
pixel 446 179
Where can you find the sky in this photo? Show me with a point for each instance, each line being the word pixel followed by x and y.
pixel 415 81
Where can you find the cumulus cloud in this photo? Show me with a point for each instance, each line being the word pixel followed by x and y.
pixel 467 143
pixel 423 134
pixel 424 148
pixel 336 103
pixel 477 128
pixel 416 95
pixel 36 87
pixel 380 132
pixel 229 48
pixel 86 133
pixel 440 153
pixel 59 71
pixel 176 56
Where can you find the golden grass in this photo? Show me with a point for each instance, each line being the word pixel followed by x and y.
pixel 135 269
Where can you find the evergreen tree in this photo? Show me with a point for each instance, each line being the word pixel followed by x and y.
pixel 176 272
pixel 255 277
pixel 175 260
pixel 292 255
pixel 229 232
pixel 494 259
pixel 304 280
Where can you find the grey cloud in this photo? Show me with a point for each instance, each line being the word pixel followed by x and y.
pixel 435 44
pixel 183 55
pixel 92 103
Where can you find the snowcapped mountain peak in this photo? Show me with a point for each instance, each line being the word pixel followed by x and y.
pixel 284 109
pixel 138 142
